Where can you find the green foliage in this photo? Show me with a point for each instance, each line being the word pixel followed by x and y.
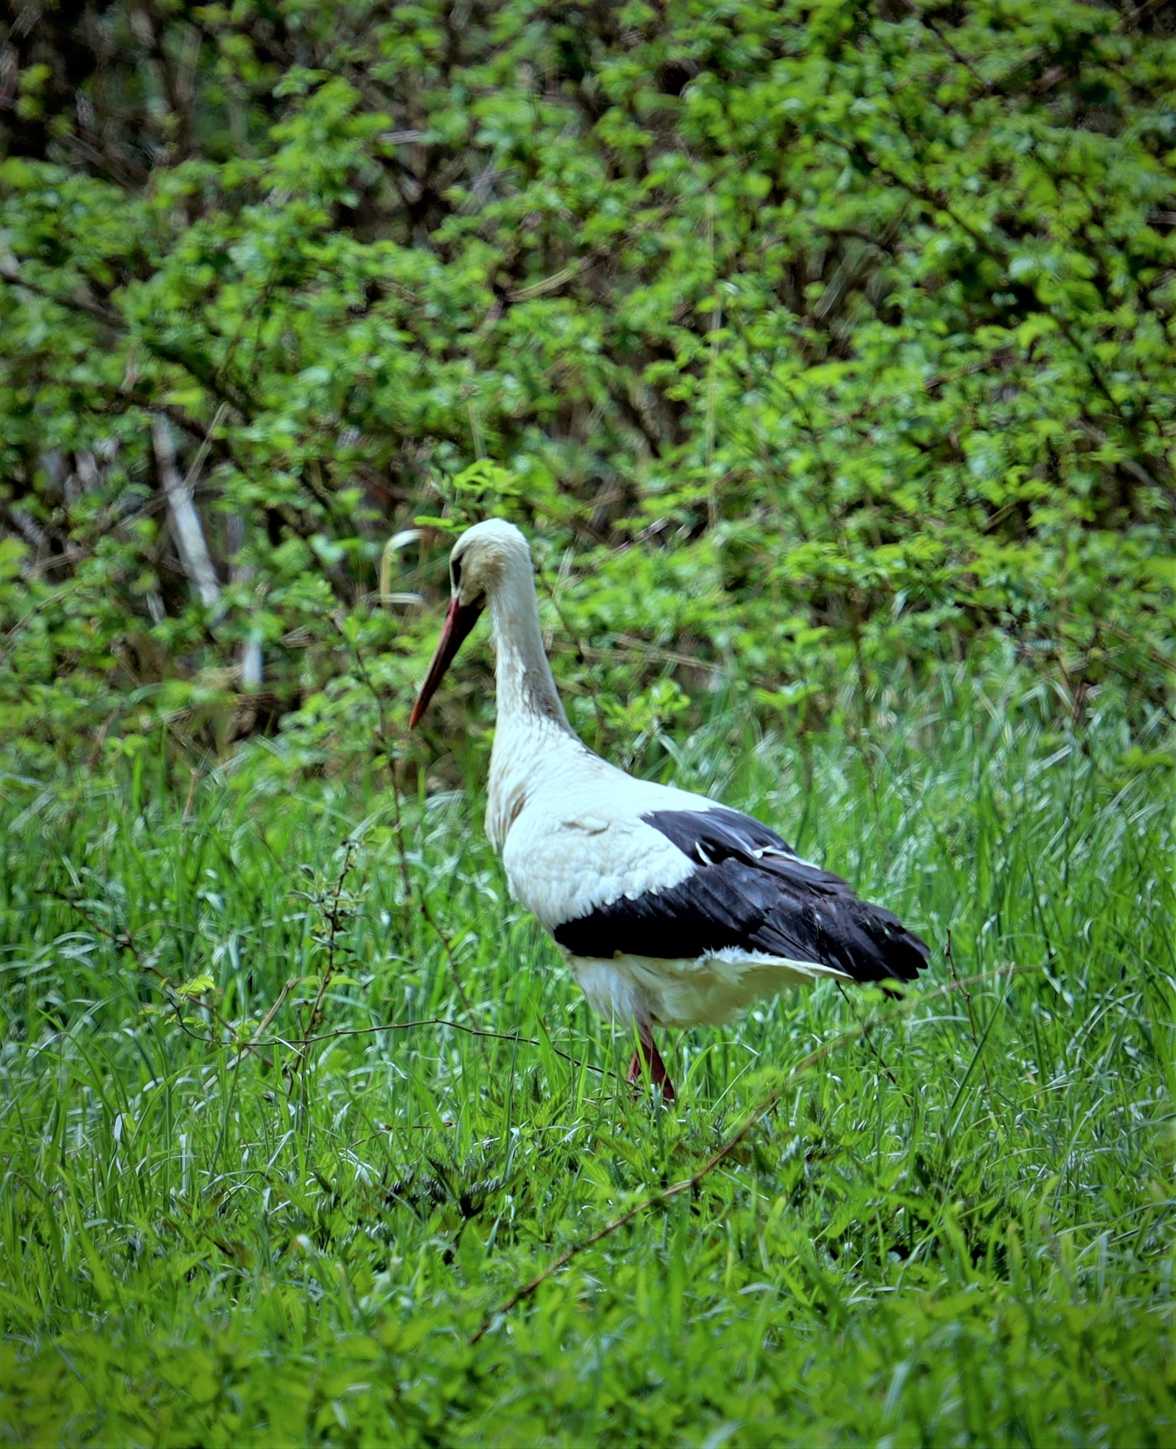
pixel 826 338
pixel 954 1231
pixel 825 353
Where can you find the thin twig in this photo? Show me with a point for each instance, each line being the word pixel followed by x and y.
pixel 263 1024
pixel 973 1029
pixel 297 1042
pixel 398 821
pixel 125 941
pixel 868 1041
pixel 512 1036
pixel 949 956
pixel 552 283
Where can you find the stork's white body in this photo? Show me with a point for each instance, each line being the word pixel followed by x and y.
pixel 570 831
pixel 671 909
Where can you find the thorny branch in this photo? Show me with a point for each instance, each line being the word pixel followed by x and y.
pixel 334 916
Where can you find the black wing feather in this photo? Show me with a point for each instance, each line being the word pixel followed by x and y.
pixel 749 890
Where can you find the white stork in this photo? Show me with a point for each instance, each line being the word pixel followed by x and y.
pixel 672 909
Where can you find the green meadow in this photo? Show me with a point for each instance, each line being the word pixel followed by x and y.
pixel 296 1106
pixel 824 354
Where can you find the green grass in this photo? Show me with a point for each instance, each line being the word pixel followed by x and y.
pixel 955 1230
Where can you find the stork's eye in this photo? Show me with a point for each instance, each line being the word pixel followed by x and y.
pixel 455 573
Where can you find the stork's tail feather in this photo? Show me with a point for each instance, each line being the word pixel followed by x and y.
pixel 874 945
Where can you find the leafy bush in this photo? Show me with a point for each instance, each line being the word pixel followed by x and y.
pixel 824 338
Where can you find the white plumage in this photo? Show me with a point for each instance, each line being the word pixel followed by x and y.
pixel 671 909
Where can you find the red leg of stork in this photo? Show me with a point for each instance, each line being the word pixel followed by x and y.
pixel 648 1056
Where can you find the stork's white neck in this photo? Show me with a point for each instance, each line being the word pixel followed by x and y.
pixel 523 676
pixel 531 724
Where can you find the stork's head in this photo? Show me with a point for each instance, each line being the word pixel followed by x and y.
pixel 481 559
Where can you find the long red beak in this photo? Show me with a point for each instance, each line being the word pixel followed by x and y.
pixel 460 619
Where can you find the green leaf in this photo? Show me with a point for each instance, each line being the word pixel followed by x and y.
pixel 197 985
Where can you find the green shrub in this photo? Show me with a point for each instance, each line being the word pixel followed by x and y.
pixel 810 341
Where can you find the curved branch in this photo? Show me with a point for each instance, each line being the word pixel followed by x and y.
pixel 688 1184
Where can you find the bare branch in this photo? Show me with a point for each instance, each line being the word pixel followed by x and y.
pixel 186 525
